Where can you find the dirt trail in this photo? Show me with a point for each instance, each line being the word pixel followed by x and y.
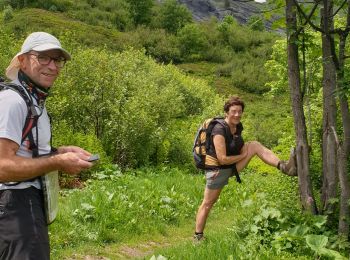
pixel 144 247
pixel 139 249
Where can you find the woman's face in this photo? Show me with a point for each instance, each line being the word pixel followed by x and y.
pixel 234 114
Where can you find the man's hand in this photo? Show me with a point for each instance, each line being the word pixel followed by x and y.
pixel 72 162
pixel 72 148
pixel 73 159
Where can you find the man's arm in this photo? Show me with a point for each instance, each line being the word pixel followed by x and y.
pixel 220 148
pixel 17 168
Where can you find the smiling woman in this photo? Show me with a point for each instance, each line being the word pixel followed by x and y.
pixel 233 155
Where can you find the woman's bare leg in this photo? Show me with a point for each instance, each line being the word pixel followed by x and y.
pixel 256 148
pixel 210 197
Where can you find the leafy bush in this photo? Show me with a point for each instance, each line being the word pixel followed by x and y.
pixel 248 74
pixel 141 11
pixel 129 108
pixel 159 44
pixel 256 23
pixel 172 16
pixel 192 42
pixel 8 13
pixel 64 135
pixel 9 46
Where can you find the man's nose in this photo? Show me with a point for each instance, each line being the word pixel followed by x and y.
pixel 52 65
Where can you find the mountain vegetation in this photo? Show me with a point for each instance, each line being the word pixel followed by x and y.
pixel 144 74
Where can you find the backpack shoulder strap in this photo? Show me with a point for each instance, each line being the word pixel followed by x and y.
pixel 222 122
pixel 32 116
pixel 214 121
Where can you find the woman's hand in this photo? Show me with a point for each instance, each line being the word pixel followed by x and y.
pixel 244 150
pixel 213 177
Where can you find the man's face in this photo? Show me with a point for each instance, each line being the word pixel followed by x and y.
pixel 42 67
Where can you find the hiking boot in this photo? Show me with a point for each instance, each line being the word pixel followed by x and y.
pixel 198 237
pixel 289 168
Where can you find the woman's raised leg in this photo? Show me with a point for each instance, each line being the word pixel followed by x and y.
pixel 256 148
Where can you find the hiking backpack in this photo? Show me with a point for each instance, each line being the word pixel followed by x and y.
pixel 32 115
pixel 202 143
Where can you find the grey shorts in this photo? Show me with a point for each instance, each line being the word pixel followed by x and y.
pixel 221 179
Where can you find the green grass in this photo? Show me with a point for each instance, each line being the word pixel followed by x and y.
pixel 151 208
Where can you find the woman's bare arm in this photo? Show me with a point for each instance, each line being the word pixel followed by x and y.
pixel 220 148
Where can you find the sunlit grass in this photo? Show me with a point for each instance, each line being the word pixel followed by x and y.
pixel 150 203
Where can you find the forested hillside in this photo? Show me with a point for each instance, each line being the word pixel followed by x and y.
pixel 143 76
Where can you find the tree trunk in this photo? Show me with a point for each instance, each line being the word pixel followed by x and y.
pixel 329 169
pixel 344 148
pixel 344 211
pixel 343 98
pixel 305 187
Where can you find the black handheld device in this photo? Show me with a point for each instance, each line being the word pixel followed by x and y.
pixel 93 158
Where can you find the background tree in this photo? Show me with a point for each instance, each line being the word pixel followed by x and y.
pixel 192 41
pixel 335 152
pixel 302 147
pixel 141 11
pixel 173 16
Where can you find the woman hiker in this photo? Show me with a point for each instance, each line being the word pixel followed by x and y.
pixel 231 156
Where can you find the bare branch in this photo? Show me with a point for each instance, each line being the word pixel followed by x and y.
pixel 340 7
pixel 308 18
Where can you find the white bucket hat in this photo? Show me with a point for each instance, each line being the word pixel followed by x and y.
pixel 37 41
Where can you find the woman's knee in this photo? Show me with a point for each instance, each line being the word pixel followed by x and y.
pixel 208 204
pixel 253 147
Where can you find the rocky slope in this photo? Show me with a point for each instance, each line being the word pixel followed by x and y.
pixel 204 9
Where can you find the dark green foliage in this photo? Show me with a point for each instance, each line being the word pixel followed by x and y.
pixel 14 3
pixel 172 16
pixel 192 42
pixel 141 11
pixel 58 5
pixel 8 13
pixel 158 44
pixel 63 134
pixel 256 23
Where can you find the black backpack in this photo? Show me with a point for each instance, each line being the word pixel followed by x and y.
pixel 202 143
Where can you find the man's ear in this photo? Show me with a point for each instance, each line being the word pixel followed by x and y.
pixel 21 58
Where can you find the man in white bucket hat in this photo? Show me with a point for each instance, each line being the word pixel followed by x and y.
pixel 23 220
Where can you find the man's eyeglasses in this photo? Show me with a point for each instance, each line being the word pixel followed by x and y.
pixel 45 60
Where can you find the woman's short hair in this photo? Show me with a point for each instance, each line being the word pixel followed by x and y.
pixel 233 101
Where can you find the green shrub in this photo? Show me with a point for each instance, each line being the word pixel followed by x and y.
pixel 172 16
pixel 126 100
pixel 53 8
pixel 192 42
pixel 8 13
pixel 64 135
pixel 256 23
pixel 158 43
pixel 141 11
pixel 248 74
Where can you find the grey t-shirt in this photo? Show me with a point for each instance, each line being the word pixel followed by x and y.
pixel 13 113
